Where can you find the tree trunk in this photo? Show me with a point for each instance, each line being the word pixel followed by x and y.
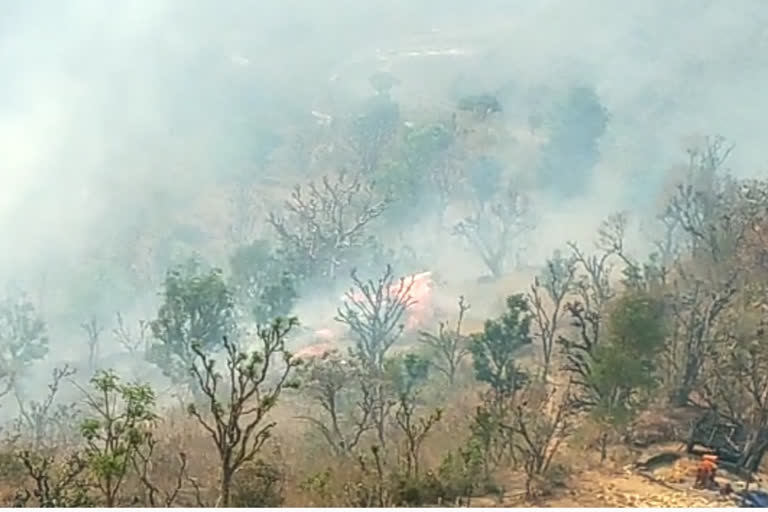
pixel 496 266
pixel 380 416
pixel 754 450
pixel 110 492
pixel 224 490
pixel 603 446
pixel 682 391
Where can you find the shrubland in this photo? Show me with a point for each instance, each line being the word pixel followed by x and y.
pixel 390 415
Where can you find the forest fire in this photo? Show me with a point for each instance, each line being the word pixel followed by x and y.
pixel 317 350
pixel 416 289
pixel 421 292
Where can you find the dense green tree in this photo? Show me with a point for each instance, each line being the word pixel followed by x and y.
pixel 623 367
pixel 119 423
pixel 494 351
pixel 481 104
pixel 374 131
pixel 418 176
pixel 197 309
pixel 485 178
pixel 635 334
pixel 23 339
pixel 261 283
pixel 383 82
pixel 571 152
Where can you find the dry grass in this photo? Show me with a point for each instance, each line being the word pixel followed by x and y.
pixel 300 453
pixel 578 479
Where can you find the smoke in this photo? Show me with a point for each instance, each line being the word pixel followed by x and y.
pixel 119 120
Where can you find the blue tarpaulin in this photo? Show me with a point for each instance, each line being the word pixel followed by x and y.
pixel 754 499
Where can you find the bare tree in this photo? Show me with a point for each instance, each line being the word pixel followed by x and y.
pixel 55 484
pixel 745 405
pixel 735 380
pixel 592 288
pixel 38 420
pixel 237 422
pixel 554 284
pixel 372 490
pixel 93 330
pixel 593 273
pixel 136 342
pixel 449 348
pixel 579 352
pixel 326 221
pixel 374 312
pixel 695 200
pixel 23 340
pixel 695 308
pixel 374 131
pixel 410 376
pixel 716 354
pixel 540 424
pixel 716 216
pixel 668 246
pixel 142 462
pixel 611 236
pixel 133 343
pixel 714 211
pixel 493 227
pixel 446 176
pixel 346 398
pixel 415 430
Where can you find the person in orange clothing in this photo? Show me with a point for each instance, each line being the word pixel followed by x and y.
pixel 705 473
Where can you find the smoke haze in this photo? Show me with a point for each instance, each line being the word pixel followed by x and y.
pixel 116 117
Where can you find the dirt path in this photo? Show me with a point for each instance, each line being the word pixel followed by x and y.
pixel 601 489
pixel 632 490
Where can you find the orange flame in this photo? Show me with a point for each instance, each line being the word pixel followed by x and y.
pixel 317 350
pixel 420 295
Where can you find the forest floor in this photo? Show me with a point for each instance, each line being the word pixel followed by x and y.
pixel 669 485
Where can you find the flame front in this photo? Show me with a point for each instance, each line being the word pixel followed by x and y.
pixel 416 316
pixel 420 295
